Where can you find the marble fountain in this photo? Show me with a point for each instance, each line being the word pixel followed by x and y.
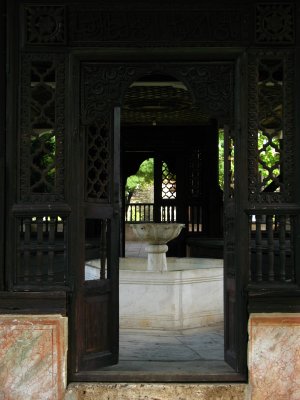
pixel 168 293
pixel 157 235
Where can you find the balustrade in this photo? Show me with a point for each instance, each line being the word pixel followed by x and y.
pixel 144 212
pixel 41 251
pixel 271 246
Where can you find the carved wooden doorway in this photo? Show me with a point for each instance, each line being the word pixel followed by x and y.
pixel 100 91
pixel 62 120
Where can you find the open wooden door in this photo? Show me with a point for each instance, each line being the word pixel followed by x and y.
pixel 96 293
pixel 229 250
pixel 234 252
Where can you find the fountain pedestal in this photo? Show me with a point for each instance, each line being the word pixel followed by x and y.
pixel 157 235
pixel 157 260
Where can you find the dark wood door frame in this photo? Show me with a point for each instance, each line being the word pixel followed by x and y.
pixel 240 116
pixel 90 298
pixel 2 136
pixel 77 33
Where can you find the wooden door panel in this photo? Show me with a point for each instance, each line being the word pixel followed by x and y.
pixel 97 348
pixel 97 311
pixel 230 322
pixel 96 295
pixel 230 315
pixel 96 333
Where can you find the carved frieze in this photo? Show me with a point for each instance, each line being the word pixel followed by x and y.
pixel 101 88
pixel 212 88
pixel 112 25
pixel 45 24
pixel 275 23
pixel 104 85
pixel 159 27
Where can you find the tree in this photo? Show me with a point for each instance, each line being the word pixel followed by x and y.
pixel 269 158
pixel 268 162
pixel 143 179
pixel 221 158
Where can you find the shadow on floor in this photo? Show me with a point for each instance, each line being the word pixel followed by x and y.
pixel 198 351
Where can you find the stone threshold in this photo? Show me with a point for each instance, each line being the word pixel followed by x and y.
pixel 156 391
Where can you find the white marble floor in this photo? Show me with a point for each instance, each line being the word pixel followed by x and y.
pixel 197 351
pixel 204 344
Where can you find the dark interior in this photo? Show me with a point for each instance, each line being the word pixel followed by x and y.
pixel 160 121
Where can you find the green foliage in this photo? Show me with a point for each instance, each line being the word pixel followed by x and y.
pixel 141 180
pixel 269 156
pixel 221 158
pixel 43 148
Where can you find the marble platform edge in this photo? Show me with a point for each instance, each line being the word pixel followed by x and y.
pixel 276 319
pixel 274 356
pixel 34 351
pixel 167 278
pixel 153 391
pixel 166 322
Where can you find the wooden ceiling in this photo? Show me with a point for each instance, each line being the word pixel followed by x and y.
pixel 160 102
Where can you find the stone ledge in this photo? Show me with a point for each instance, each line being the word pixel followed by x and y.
pixel 142 391
pixel 33 355
pixel 274 356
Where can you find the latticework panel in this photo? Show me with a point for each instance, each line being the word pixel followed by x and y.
pixel 42 251
pixel 168 190
pixel 270 123
pixel 271 150
pixel 42 128
pixel 98 161
pixel 271 136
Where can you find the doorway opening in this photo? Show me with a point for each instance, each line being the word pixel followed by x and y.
pixel 171 321
pixel 175 119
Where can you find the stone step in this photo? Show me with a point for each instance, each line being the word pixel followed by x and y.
pixel 151 391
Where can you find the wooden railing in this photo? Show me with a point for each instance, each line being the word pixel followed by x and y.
pixel 144 212
pixel 139 212
pixel 271 246
pixel 195 218
pixel 168 213
pixel 42 256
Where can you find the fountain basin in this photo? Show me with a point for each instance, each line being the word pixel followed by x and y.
pixel 157 235
pixel 187 296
